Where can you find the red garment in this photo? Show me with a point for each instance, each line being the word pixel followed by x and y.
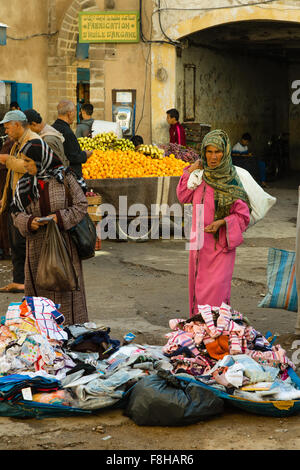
pixel 177 134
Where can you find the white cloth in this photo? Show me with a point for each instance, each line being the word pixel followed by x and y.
pixel 260 201
pixel 235 375
pixel 99 127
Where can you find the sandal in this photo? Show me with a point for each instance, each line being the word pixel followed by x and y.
pixel 11 289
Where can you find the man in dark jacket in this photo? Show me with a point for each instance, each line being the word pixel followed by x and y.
pixel 84 129
pixel 66 116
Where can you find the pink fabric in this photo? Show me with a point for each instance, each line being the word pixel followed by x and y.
pixel 212 283
pixel 177 134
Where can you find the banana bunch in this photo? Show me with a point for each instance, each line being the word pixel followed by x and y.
pixel 152 151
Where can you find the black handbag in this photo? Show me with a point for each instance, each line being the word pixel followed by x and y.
pixel 84 234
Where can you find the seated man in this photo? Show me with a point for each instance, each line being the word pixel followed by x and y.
pixel 241 149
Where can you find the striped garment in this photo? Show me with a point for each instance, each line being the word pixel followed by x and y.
pixel 281 281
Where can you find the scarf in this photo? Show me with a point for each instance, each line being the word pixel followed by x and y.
pixel 48 166
pixel 223 179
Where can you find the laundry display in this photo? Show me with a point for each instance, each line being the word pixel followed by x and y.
pixel 48 369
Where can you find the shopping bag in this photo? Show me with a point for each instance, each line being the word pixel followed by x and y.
pixel 55 268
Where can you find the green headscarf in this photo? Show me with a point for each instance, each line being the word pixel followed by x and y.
pixel 224 178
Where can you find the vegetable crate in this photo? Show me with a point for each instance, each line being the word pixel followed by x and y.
pixel 93 203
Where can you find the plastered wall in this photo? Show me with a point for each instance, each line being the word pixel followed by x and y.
pixel 237 93
pixel 25 60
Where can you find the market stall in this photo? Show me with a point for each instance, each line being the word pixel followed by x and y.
pixel 126 177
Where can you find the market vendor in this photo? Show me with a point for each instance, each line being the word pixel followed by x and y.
pixel 177 132
pixel 226 217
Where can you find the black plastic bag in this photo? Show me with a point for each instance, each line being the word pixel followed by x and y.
pixel 164 400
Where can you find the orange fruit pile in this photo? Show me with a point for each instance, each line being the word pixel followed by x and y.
pixel 129 164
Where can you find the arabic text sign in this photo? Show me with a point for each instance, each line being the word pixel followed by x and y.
pixel 108 27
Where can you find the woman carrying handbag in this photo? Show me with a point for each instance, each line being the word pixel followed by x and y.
pixel 41 196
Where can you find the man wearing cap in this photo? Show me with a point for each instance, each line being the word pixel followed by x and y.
pixel 51 136
pixel 16 127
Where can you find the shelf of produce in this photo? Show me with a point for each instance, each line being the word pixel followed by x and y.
pixel 146 191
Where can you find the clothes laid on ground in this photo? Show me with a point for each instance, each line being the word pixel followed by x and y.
pixel 200 335
pixel 217 348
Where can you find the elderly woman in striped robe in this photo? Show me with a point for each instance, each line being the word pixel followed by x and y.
pixel 41 193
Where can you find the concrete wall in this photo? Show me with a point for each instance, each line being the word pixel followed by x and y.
pixel 237 93
pixel 112 66
pixel 25 60
pixel 49 62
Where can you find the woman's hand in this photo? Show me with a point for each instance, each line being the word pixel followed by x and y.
pixel 195 166
pixel 214 227
pixel 35 224
pixel 54 217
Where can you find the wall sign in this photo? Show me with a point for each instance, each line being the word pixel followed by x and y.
pixel 107 26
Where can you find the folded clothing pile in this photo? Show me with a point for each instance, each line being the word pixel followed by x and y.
pixel 11 386
pixel 219 347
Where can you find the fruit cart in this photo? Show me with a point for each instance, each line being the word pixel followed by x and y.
pixel 138 185
pixel 155 194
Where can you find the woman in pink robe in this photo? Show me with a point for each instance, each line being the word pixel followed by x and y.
pixel 226 217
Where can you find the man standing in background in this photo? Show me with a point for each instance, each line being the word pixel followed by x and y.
pixel 17 128
pixel 66 116
pixel 84 128
pixel 51 136
pixel 177 132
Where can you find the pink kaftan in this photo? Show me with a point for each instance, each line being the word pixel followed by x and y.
pixel 211 267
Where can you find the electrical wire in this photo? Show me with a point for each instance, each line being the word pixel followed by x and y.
pixel 150 41
pixel 225 7
pixel 25 38
pixel 176 43
pixel 146 72
pixel 171 41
